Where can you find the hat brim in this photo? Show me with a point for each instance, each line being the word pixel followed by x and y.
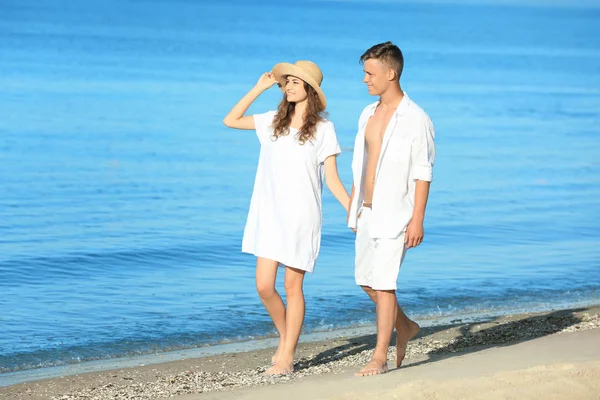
pixel 282 70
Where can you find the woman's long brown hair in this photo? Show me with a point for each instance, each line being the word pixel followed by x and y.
pixel 315 113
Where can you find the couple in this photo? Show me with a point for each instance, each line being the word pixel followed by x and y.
pixel 392 169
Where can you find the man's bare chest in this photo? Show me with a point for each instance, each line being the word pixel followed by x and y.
pixel 375 129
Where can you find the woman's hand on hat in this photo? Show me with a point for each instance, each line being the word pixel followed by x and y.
pixel 266 81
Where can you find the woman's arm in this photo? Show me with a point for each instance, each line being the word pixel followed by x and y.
pixel 335 185
pixel 349 204
pixel 235 118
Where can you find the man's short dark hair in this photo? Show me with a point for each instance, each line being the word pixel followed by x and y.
pixel 387 53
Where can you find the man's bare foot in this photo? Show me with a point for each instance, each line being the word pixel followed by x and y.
pixel 374 367
pixel 277 354
pixel 282 367
pixel 402 338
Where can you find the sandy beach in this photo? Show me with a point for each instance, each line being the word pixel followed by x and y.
pixel 525 356
pixel 555 367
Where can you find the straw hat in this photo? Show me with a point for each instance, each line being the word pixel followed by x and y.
pixel 308 71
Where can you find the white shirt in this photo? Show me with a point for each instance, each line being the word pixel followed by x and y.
pixel 407 154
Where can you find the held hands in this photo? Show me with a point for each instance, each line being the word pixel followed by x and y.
pixel 266 81
pixel 414 234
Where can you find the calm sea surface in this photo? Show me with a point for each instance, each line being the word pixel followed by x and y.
pixel 123 197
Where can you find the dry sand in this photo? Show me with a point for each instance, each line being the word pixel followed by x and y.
pixel 565 367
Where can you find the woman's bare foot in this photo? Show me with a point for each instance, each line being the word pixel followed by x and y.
pixel 277 354
pixel 281 367
pixel 402 338
pixel 374 367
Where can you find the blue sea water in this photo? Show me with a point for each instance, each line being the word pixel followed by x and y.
pixel 123 197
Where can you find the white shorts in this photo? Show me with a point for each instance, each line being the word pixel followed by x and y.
pixel 378 261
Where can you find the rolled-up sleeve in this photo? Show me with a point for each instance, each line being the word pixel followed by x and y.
pixel 423 152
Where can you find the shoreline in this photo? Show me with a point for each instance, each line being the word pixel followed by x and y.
pixel 260 343
pixel 218 372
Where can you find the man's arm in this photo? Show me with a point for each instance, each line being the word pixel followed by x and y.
pixel 422 156
pixel 414 231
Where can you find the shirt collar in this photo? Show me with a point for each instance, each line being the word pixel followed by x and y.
pixel 401 109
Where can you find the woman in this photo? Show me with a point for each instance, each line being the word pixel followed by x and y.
pixel 284 223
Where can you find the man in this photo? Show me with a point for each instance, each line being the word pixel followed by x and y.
pixel 392 170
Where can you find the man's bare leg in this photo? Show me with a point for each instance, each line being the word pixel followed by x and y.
pixel 266 274
pixel 294 279
pixel 406 329
pixel 386 305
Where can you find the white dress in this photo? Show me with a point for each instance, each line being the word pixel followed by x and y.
pixel 284 221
